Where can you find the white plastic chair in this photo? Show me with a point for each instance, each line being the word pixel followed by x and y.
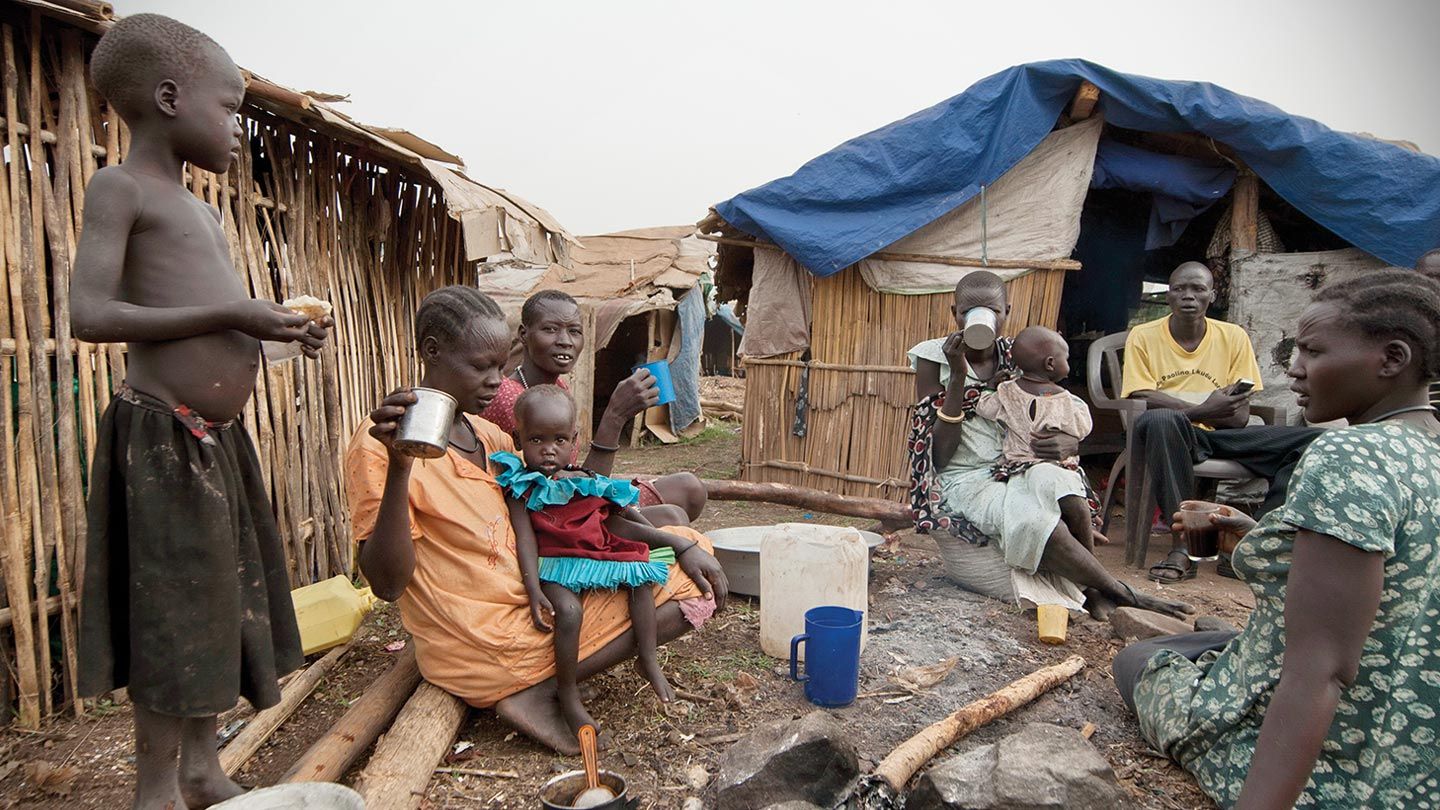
pixel 1102 377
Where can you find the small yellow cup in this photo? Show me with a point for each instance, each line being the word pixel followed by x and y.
pixel 1053 620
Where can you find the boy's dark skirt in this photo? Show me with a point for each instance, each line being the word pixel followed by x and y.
pixel 186 600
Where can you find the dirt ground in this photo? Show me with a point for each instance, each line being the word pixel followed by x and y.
pixel 916 618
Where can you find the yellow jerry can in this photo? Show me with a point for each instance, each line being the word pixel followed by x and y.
pixel 329 612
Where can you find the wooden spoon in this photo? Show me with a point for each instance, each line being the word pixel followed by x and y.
pixel 594 794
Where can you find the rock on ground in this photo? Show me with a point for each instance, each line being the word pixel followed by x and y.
pixel 806 760
pixel 1039 767
pixel 1137 624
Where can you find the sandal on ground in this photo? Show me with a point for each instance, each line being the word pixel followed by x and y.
pixel 1157 571
pixel 1225 568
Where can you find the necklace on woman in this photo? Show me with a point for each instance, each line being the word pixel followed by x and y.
pixel 1411 409
pixel 520 370
pixel 471 428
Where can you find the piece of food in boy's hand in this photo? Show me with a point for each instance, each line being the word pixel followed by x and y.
pixel 309 306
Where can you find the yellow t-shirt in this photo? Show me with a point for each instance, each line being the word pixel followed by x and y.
pixel 1155 362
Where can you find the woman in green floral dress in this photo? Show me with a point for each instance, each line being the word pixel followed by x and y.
pixel 1329 697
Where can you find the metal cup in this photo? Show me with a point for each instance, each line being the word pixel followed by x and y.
pixel 424 429
pixel 980 327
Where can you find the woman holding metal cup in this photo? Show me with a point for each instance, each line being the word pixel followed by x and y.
pixel 435 534
pixel 1011 540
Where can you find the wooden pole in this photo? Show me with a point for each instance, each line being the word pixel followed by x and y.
pixel 911 755
pixel 90 8
pixel 923 258
pixel 888 512
pixel 28 323
pixel 1084 102
pixel 264 723
pixel 405 758
pixel 67 491
pixel 7 615
pixel 1245 214
pixel 332 755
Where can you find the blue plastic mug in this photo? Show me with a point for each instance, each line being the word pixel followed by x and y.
pixel 660 370
pixel 832 655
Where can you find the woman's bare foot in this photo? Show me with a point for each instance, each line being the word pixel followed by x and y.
pixel 1169 607
pixel 650 671
pixel 535 713
pixel 1098 604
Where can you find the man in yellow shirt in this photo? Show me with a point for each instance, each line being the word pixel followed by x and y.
pixel 1196 375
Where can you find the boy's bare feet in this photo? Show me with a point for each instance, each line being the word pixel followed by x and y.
pixel 158 797
pixel 202 781
pixel 650 670
pixel 201 791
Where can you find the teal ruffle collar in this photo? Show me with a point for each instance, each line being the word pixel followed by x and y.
pixel 537 490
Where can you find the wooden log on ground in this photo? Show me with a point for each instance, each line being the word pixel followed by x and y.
pixel 888 512
pixel 405 758
pixel 721 407
pixel 911 755
pixel 264 723
pixel 332 755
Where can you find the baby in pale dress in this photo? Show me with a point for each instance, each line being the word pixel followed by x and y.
pixel 1035 402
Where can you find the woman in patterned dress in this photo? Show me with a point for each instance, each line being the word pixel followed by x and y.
pixel 1329 696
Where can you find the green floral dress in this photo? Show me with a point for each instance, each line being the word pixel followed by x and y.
pixel 1376 487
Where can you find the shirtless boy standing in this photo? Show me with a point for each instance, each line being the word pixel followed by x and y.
pixel 186 599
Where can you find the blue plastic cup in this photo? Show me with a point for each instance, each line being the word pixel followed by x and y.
pixel 832 655
pixel 660 370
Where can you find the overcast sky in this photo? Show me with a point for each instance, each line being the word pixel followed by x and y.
pixel 620 114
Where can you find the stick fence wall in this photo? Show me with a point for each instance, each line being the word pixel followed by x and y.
pixel 861 390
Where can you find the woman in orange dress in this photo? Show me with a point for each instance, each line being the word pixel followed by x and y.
pixel 436 537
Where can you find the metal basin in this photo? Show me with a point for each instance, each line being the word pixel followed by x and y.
pixel 738 550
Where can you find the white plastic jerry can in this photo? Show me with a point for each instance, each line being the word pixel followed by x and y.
pixel 802 566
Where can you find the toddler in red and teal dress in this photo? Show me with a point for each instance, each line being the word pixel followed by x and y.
pixel 577 531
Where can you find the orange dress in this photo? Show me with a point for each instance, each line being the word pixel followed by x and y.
pixel 465 606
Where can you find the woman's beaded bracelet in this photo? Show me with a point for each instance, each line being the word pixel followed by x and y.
pixel 604 448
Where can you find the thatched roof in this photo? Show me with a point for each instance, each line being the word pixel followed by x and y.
pixel 495 222
pixel 618 274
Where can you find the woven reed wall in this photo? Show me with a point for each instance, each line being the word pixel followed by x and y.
pixel 304 213
pixel 861 390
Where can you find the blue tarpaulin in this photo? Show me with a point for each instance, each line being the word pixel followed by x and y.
pixel 1181 188
pixel 868 192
